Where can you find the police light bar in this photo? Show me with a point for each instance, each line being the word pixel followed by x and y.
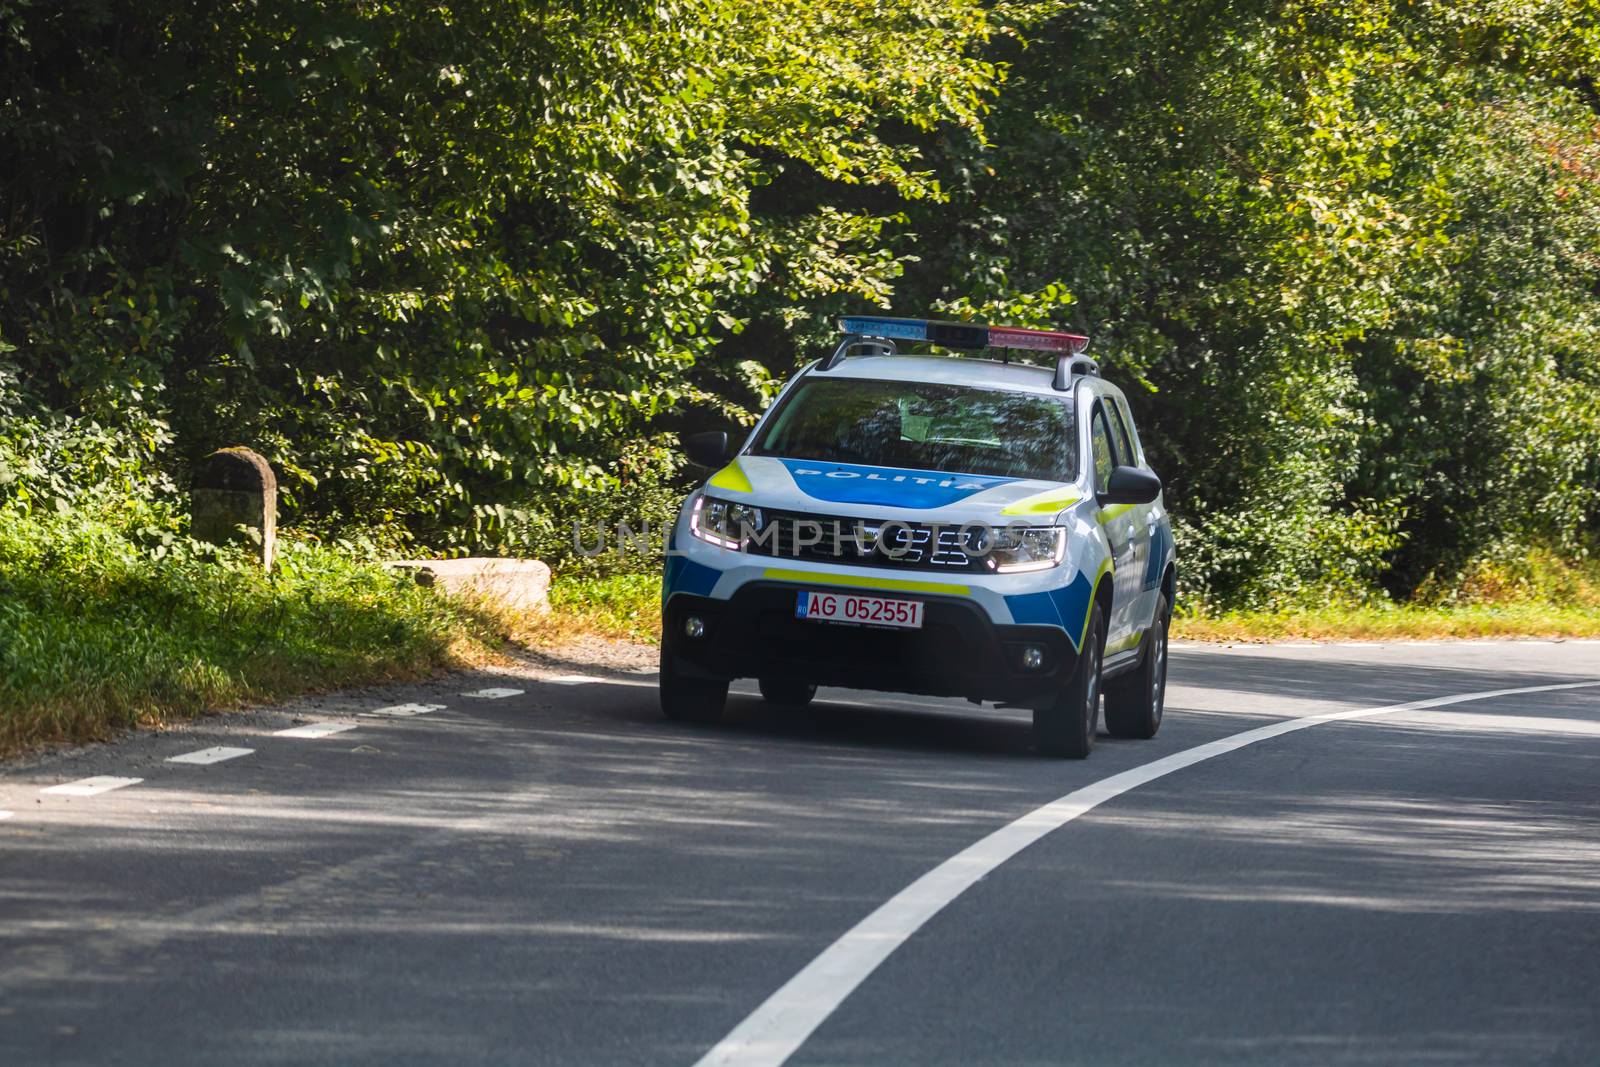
pixel 1037 340
pixel 963 334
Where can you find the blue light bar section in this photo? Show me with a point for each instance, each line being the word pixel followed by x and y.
pixel 874 326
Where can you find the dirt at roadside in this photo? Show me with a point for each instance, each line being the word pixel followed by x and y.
pixel 590 653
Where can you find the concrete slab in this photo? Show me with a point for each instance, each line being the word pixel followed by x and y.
pixel 518 584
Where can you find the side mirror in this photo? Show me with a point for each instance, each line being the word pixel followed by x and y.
pixel 1131 485
pixel 710 449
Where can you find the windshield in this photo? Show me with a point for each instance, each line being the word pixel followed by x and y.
pixel 921 426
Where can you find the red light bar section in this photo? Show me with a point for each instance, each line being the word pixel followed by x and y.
pixel 1037 340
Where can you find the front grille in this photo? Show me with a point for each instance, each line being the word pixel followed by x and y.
pixel 958 652
pixel 867 542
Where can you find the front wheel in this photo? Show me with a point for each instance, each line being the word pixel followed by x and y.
pixel 685 699
pixel 1064 726
pixel 1134 701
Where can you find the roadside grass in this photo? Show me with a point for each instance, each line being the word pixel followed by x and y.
pixel 628 607
pixel 1537 593
pixel 1398 623
pixel 98 633
pixel 623 607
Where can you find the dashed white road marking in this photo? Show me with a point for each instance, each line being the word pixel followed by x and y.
pixel 775 1030
pixel 215 754
pixel 1516 724
pixel 573 679
pixel 317 729
pixel 88 787
pixel 6 815
pixel 404 711
pixel 494 694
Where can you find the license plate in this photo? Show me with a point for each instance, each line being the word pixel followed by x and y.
pixel 862 610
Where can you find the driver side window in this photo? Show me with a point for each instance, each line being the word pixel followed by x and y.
pixel 1104 458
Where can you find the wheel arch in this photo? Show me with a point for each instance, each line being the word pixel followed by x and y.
pixel 1104 596
pixel 1105 592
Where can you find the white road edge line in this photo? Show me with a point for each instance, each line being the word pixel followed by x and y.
pixel 774 1031
pixel 4 815
pixel 494 694
pixel 317 729
pixel 572 679
pixel 215 754
pixel 403 711
pixel 88 787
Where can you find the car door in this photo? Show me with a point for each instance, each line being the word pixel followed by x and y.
pixel 1141 523
pixel 1118 522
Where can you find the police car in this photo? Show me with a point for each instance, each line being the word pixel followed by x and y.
pixel 949 525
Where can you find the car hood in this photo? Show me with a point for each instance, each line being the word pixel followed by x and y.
pixel 889 492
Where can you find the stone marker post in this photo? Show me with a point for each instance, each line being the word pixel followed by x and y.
pixel 235 487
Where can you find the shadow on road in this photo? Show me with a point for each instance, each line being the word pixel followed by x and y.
pixel 466 887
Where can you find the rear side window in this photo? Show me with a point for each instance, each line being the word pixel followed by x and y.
pixel 1104 458
pixel 1125 453
pixel 1133 431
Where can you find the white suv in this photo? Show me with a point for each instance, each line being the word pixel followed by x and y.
pixel 929 524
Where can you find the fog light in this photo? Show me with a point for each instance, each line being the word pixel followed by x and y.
pixel 1032 658
pixel 694 626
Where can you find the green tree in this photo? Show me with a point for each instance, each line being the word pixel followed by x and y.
pixel 440 260
pixel 1347 248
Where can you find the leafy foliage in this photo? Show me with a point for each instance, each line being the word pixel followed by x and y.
pixel 457 268
pixel 1348 247
pixel 436 261
pixel 101 627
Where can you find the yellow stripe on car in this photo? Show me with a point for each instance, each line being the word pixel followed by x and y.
pixel 1046 503
pixel 1131 641
pixel 898 584
pixel 1107 514
pixel 732 477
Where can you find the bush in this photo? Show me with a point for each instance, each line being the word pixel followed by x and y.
pixel 644 494
pixel 107 619
pixel 436 262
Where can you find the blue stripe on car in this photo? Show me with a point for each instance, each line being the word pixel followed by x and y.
pixel 1033 609
pixel 686 576
pixel 848 483
pixel 1066 607
pixel 1158 555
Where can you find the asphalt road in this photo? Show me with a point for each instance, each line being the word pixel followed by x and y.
pixel 559 876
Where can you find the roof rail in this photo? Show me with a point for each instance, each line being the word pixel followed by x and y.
pixel 1069 366
pixel 870 346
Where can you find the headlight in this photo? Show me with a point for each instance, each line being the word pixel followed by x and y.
pixel 1025 548
pixel 724 523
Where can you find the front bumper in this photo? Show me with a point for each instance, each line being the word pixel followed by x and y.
pixel 957 652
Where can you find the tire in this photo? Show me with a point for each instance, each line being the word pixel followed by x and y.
pixel 786 692
pixel 685 699
pixel 1135 701
pixel 1065 725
